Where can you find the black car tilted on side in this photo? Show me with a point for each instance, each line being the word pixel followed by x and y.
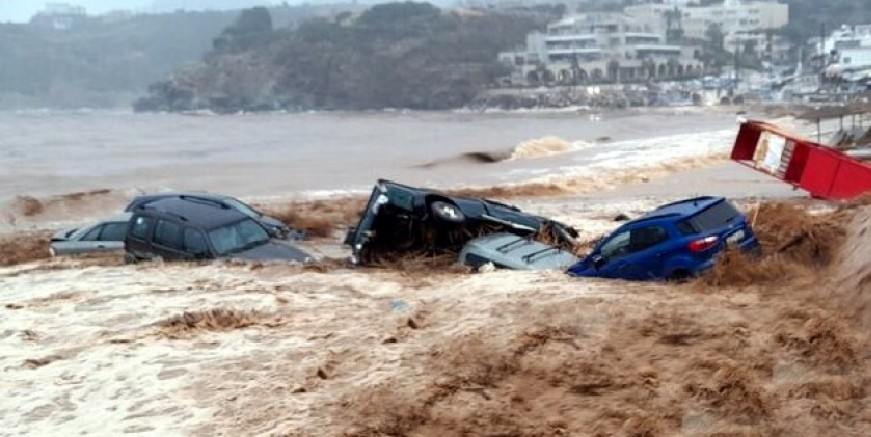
pixel 400 219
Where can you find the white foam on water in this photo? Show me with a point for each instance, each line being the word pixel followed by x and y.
pixel 651 152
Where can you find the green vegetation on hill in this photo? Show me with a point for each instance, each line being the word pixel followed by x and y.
pixel 396 55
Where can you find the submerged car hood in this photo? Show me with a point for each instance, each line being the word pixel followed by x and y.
pixel 274 251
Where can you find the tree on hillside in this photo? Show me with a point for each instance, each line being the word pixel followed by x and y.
pixel 252 27
pixel 254 20
pixel 674 28
pixel 395 55
pixel 714 54
pixel 397 20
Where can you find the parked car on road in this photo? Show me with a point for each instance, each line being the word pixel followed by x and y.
pixel 275 227
pixel 401 219
pixel 674 242
pixel 192 228
pixel 103 236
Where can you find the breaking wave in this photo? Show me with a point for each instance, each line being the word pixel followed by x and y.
pixel 531 149
pixel 589 182
pixel 29 210
pixel 544 147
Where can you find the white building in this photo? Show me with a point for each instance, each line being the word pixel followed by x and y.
pixel 734 16
pixel 60 16
pixel 602 47
pixel 63 9
pixel 743 22
pixel 847 52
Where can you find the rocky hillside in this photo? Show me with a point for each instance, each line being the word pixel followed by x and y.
pixel 396 55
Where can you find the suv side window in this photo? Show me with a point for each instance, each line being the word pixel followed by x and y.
pixel 113 232
pixel 686 227
pixel 140 227
pixel 168 234
pixel 194 242
pixel 647 237
pixel 634 240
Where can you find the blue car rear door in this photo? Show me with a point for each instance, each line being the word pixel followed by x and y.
pixel 636 253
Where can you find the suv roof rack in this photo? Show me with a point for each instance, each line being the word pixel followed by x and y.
pixel 196 198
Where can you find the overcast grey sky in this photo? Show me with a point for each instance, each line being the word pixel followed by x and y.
pixel 22 10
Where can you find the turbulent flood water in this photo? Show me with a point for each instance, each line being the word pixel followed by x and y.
pixel 49 153
pixel 91 346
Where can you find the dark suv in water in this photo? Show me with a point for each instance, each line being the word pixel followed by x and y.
pixel 183 228
pixel 275 227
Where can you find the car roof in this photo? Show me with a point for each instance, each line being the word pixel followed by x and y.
pixel 202 214
pixel 681 209
pixel 123 217
pixel 156 196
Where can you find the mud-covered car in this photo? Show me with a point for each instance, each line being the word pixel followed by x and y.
pixel 401 220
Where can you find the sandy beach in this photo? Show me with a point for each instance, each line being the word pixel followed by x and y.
pixel 775 347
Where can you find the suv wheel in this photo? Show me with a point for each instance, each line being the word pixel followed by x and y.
pixel 679 276
pixel 446 212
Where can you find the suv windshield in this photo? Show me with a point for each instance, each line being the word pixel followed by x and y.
pixel 712 218
pixel 237 237
pixel 241 207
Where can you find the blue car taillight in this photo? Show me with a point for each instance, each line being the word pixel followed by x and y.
pixel 703 244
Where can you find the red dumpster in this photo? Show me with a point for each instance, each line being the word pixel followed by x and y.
pixel 821 171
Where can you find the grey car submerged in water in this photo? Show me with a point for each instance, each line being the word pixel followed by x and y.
pixel 505 250
pixel 104 236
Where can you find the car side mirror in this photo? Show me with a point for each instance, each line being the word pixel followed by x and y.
pixel 599 261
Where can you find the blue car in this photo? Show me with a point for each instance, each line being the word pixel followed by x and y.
pixel 674 242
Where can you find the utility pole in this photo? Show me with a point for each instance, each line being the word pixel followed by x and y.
pixel 735 82
pixel 823 43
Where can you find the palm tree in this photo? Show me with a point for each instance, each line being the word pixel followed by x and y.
pixel 673 25
pixel 614 70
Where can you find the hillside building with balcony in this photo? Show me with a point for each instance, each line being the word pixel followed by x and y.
pixel 602 48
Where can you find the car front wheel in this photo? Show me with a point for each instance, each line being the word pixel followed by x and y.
pixel 446 212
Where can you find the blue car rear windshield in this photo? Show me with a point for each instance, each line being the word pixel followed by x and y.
pixel 712 218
